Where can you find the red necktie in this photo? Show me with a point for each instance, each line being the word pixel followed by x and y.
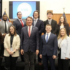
pixel 29 32
pixel 21 23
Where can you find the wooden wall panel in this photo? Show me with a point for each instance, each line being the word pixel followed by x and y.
pixel 57 16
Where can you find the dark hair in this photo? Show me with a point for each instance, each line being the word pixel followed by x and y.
pixel 18 12
pixel 1 38
pixel 14 30
pixel 29 17
pixel 63 22
pixel 49 12
pixel 37 12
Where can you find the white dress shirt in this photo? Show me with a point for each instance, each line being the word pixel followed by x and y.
pixel 50 21
pixel 35 21
pixel 48 35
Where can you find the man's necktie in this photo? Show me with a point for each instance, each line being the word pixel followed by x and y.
pixel 5 27
pixel 29 32
pixel 21 23
pixel 47 38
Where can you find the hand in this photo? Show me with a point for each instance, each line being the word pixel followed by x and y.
pixel 22 51
pixel 41 56
pixel 66 58
pixel 54 56
pixel 12 53
pixel 37 52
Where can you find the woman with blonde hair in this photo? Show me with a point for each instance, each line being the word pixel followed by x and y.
pixel 64 50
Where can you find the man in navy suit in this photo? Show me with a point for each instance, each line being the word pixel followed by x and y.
pixel 48 48
pixel 19 23
pixel 40 25
pixel 29 43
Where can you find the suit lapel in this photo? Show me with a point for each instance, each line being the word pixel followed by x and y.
pixel 32 31
pixel 37 22
pixel 27 31
pixel 49 38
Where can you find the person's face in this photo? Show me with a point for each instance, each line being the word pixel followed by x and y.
pixel 62 32
pixel 11 30
pixel 35 15
pixel 5 17
pixel 49 15
pixel 19 15
pixel 29 21
pixel 48 29
pixel 62 19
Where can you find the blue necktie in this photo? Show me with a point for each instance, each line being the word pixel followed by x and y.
pixel 47 38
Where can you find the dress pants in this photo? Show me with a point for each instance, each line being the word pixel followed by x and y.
pixel 10 63
pixel 63 64
pixel 29 60
pixel 45 62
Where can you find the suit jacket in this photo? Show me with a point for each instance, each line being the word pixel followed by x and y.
pixel 40 26
pixel 32 41
pixel 53 24
pixel 67 29
pixel 49 48
pixel 65 47
pixel 2 26
pixel 15 45
pixel 18 26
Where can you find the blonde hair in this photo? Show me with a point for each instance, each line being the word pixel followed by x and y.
pixel 65 36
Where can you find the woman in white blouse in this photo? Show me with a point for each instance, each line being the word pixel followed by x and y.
pixel 64 50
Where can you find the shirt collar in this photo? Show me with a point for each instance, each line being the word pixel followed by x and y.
pixel 48 33
pixel 35 19
pixel 50 20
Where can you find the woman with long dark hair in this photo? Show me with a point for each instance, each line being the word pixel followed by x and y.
pixel 1 48
pixel 62 24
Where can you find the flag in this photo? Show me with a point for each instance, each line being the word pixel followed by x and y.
pixel 64 16
pixel 7 16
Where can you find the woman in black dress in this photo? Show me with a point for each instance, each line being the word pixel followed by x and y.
pixel 62 24
pixel 1 48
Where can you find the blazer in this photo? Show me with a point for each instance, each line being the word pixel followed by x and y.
pixel 15 45
pixel 2 26
pixel 67 29
pixel 65 47
pixel 18 26
pixel 53 24
pixel 49 48
pixel 32 41
pixel 40 26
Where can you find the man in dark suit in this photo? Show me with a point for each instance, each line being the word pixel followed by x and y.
pixel 29 43
pixel 19 23
pixel 40 25
pixel 50 21
pixel 48 48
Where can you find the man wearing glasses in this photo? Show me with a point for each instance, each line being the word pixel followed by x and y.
pixel 19 23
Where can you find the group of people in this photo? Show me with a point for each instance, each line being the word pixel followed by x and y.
pixel 25 38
